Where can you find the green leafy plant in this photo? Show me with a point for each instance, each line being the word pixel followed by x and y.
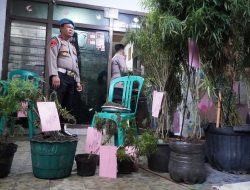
pixel 122 155
pixel 162 65
pixel 24 91
pixel 221 30
pixel 18 91
pixel 145 144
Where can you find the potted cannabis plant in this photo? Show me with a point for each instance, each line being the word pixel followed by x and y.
pixel 142 145
pixel 17 91
pixel 162 73
pixel 53 153
pixel 221 30
pixel 187 157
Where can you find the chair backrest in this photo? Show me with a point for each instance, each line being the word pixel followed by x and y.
pixel 128 83
pixel 25 75
pixel 3 87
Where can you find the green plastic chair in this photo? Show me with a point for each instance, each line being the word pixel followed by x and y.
pixel 25 75
pixel 35 78
pixel 3 92
pixel 3 87
pixel 119 116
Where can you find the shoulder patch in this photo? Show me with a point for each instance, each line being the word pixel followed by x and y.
pixel 53 43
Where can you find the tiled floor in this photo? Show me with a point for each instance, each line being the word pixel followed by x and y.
pixel 21 178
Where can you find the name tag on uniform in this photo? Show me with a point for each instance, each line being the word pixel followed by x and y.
pixel 64 52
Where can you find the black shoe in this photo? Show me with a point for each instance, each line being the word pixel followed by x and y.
pixel 67 133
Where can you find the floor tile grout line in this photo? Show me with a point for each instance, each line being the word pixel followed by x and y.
pixel 166 178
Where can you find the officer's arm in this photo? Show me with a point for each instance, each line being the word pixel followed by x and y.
pixel 52 57
pixel 77 76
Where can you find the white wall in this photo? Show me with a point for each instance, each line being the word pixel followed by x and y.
pixel 132 5
pixel 3 6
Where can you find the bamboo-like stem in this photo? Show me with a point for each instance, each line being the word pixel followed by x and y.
pixel 218 116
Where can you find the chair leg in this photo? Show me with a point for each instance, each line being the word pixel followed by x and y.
pixel 2 124
pixel 33 122
pixel 30 123
pixel 93 121
pixel 116 140
pixel 120 136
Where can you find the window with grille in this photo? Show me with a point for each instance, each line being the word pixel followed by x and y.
pixel 27 47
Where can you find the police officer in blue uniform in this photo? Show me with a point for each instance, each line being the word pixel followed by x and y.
pixel 63 67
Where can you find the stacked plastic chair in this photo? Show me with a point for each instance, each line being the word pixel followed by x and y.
pixel 124 114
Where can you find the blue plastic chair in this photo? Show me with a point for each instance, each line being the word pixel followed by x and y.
pixel 25 75
pixel 3 87
pixel 119 116
pixel 3 92
pixel 35 78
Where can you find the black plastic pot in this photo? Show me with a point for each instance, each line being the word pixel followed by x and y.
pixel 158 162
pixel 186 163
pixel 125 166
pixel 228 148
pixel 86 165
pixel 7 151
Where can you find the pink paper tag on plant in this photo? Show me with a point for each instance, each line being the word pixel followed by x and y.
pixel 236 85
pixel 176 122
pixel 157 100
pixel 193 54
pixel 23 111
pixel 93 141
pixel 205 104
pixel 48 116
pixel 108 161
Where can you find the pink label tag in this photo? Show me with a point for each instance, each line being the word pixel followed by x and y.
pixel 157 100
pixel 205 104
pixel 23 111
pixel 93 141
pixel 48 116
pixel 108 162
pixel 176 122
pixel 193 54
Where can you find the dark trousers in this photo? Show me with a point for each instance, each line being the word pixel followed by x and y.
pixel 65 92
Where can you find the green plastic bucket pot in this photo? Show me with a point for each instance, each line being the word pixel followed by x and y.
pixel 52 160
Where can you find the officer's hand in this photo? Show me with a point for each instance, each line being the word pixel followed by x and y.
pixel 78 87
pixel 55 81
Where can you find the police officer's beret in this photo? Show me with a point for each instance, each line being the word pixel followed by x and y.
pixel 66 21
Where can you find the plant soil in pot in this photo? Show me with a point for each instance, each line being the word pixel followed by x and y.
pixel 53 156
pixel 228 149
pixel 186 163
pixel 7 151
pixel 86 164
pixel 158 161
pixel 125 166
